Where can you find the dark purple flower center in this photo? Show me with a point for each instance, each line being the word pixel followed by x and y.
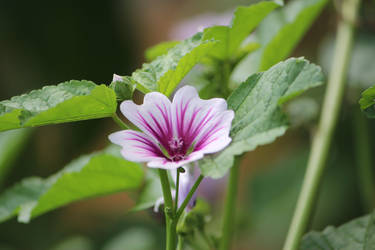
pixel 177 149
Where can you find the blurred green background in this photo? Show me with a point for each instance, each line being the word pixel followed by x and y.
pixel 47 42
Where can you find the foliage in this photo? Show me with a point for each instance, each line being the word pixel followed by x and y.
pixel 256 102
pixel 165 72
pixel 66 102
pixel 245 19
pixel 159 50
pixel 367 102
pixel 356 234
pixel 124 89
pixel 278 35
pixel 100 173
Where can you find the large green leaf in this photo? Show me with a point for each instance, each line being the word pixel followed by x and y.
pixel 278 35
pixel 11 144
pixel 356 234
pixel 66 102
pixel 367 102
pixel 166 71
pixel 159 49
pixel 244 21
pixel 88 176
pixel 256 102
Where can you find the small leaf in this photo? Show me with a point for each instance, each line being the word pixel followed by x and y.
pixel 123 86
pixel 97 174
pixel 278 35
pixel 258 119
pixel 367 102
pixel 159 50
pixel 356 234
pixel 165 72
pixel 66 102
pixel 244 21
pixel 150 193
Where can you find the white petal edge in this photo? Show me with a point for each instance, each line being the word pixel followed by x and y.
pixel 220 139
pixel 170 165
pixel 155 110
pixel 136 146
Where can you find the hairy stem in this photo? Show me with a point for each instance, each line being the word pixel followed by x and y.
pixel 323 137
pixel 364 162
pixel 229 209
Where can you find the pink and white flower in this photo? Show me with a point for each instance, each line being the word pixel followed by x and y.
pixel 174 133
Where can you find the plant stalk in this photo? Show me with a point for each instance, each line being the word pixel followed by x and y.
pixel 364 160
pixel 323 137
pixel 188 197
pixel 230 205
pixel 171 222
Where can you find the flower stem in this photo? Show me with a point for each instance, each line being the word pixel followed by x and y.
pixel 230 204
pixel 177 190
pixel 188 197
pixel 364 162
pixel 171 222
pixel 323 137
pixel 119 122
pixel 180 244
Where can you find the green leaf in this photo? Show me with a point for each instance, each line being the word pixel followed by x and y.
pixel 165 72
pixel 123 86
pixel 367 102
pixel 66 102
pixel 356 234
pixel 150 193
pixel 279 34
pixel 159 50
pixel 256 102
pixel 97 174
pixel 11 144
pixel 244 21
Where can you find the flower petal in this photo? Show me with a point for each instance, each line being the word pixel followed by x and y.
pixel 192 115
pixel 215 135
pixel 153 117
pixel 187 181
pixel 136 146
pixel 167 164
